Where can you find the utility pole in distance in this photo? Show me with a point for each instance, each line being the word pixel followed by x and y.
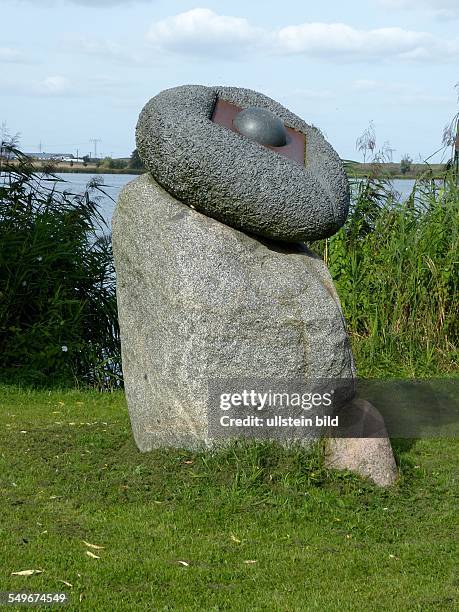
pixel 95 141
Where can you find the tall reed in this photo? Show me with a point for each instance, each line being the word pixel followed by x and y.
pixel 395 266
pixel 58 318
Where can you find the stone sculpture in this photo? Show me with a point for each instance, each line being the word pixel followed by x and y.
pixel 235 180
pixel 213 280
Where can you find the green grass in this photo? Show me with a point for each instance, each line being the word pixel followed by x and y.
pixel 394 265
pixel 318 540
pixel 396 270
pixel 58 314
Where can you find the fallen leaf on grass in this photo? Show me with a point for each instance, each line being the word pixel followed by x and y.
pixel 184 563
pixel 66 583
pixel 27 572
pixel 188 462
pixel 235 539
pixel 250 561
pixel 94 546
pixel 92 555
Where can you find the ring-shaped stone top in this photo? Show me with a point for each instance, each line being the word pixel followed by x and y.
pixel 235 179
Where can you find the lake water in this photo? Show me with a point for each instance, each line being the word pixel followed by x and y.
pixel 113 183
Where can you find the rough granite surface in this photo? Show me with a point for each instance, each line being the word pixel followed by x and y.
pixel 234 179
pixel 199 300
pixel 370 457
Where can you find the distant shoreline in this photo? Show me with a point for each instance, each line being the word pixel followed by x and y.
pixel 352 173
pixel 96 170
pixel 353 169
pixel 392 170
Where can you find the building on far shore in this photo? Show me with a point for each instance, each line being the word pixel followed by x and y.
pixel 64 157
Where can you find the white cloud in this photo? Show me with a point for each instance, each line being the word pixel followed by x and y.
pixel 312 94
pixel 103 3
pixel 59 86
pixel 366 85
pixel 447 9
pixel 202 32
pixel 396 93
pixel 13 56
pixel 50 86
pixel 53 86
pixel 100 47
pixel 341 41
pixel 90 3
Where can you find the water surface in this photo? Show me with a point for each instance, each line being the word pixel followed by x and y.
pixel 113 183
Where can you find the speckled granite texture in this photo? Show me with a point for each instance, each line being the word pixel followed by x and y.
pixel 234 179
pixel 199 300
pixel 370 457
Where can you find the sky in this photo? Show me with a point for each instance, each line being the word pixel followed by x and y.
pixel 77 70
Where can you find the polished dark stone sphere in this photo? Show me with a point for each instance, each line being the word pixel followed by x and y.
pixel 262 126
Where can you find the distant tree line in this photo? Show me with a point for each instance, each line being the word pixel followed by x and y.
pixel 111 163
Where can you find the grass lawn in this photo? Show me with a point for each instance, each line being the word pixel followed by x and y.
pixel 252 528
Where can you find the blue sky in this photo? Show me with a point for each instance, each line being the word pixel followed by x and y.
pixel 72 70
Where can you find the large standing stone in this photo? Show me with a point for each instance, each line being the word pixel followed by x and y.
pixel 199 300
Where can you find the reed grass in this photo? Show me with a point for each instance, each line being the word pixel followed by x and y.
pixel 58 321
pixel 395 266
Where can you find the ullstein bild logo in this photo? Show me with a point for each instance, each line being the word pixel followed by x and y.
pixel 335 408
pixel 266 401
pixel 279 421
